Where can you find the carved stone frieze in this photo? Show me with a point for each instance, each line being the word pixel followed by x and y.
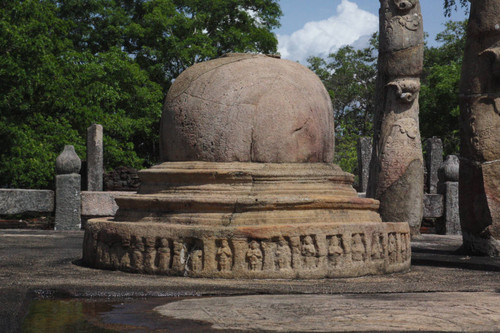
pixel 177 252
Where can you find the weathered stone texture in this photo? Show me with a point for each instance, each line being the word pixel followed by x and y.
pixel 448 173
pixel 433 160
pixel 449 224
pixel 68 187
pixel 239 196
pixel 433 205
pixel 95 162
pixel 17 201
pixel 449 169
pixel 68 202
pixel 100 203
pixel 247 220
pixel 249 252
pixel 68 161
pixel 396 172
pixel 480 131
pixel 256 109
pixel 364 157
pixel 121 179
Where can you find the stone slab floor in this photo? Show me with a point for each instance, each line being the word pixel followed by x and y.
pixel 444 292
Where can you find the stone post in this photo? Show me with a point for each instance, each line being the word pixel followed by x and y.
pixel 479 182
pixel 397 169
pixel 95 164
pixel 364 157
pixel 68 185
pixel 448 187
pixel 433 160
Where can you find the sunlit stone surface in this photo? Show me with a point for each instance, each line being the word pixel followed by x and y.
pixel 248 189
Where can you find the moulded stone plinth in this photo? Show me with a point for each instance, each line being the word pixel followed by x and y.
pixel 306 250
pixel 247 220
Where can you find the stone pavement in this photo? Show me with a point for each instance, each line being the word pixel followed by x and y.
pixel 444 291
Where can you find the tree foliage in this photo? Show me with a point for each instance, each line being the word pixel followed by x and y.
pixel 349 76
pixel 439 104
pixel 67 64
pixel 450 5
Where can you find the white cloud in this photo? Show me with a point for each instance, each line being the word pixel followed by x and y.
pixel 350 25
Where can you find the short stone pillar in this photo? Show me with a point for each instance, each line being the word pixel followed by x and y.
pixel 449 224
pixel 433 160
pixel 95 164
pixel 364 158
pixel 68 186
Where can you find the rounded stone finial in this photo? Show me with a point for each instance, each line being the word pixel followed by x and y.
pixel 448 171
pixel 247 108
pixel 68 161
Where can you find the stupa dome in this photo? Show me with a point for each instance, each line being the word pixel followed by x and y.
pixel 209 210
pixel 247 108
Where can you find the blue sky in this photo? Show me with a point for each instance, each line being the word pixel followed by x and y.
pixel 318 27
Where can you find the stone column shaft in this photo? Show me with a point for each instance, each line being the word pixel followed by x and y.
pixel 448 187
pixel 95 164
pixel 479 182
pixel 396 171
pixel 433 160
pixel 68 190
pixel 364 157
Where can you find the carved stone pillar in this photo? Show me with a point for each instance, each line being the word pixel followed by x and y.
pixel 479 180
pixel 396 171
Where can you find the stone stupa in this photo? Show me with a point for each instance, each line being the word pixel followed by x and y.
pixel 248 188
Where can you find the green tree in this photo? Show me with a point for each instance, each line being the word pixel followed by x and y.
pixel 50 93
pixel 67 64
pixel 450 5
pixel 439 108
pixel 167 36
pixel 349 76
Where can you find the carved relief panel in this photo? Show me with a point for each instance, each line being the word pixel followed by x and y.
pixel 149 254
pixel 336 249
pixel 254 256
pixel 163 254
pixel 377 251
pixel 282 255
pixel 179 256
pixel 392 247
pixel 137 257
pixel 358 247
pixel 295 244
pixel 224 256
pixel 309 251
pixel 124 253
pixel 195 255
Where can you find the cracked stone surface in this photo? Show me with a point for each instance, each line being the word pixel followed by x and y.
pixel 247 108
pixel 476 312
pixel 40 264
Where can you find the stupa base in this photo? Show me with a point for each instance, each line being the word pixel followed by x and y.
pixel 280 251
pixel 247 221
